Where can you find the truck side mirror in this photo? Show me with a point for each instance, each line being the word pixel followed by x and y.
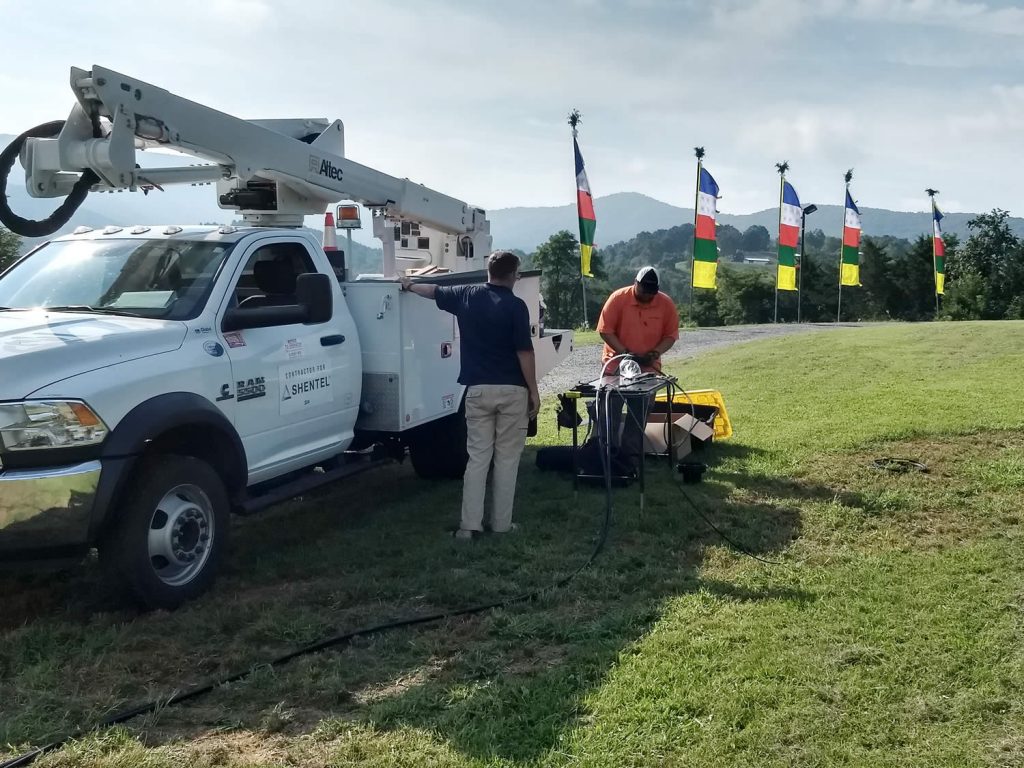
pixel 314 304
pixel 263 317
pixel 315 295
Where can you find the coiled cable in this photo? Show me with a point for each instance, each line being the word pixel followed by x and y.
pixel 64 212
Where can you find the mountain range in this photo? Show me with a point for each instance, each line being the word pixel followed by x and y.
pixel 623 215
pixel 620 216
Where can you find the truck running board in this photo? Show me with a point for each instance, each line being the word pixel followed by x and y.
pixel 350 464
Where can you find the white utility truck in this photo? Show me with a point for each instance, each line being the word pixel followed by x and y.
pixel 154 379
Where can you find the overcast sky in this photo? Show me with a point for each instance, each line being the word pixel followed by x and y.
pixel 471 97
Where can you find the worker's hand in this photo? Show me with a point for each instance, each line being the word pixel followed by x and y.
pixel 406 283
pixel 533 403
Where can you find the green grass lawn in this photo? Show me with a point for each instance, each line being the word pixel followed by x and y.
pixel 888 635
pixel 585 338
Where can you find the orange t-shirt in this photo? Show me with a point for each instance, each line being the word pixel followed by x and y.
pixel 640 327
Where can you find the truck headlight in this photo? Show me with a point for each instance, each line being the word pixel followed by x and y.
pixel 42 424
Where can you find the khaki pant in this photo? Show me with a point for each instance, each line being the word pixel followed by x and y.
pixel 496 424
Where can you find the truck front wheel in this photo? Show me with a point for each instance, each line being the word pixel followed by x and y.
pixel 171 531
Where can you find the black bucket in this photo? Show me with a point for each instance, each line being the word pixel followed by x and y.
pixel 692 471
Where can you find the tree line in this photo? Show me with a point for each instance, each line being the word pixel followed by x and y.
pixel 984 277
pixel 9 245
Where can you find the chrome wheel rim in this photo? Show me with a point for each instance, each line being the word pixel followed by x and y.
pixel 181 533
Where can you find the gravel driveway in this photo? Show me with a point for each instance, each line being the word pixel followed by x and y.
pixel 584 363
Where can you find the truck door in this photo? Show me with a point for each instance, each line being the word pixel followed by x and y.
pixel 291 382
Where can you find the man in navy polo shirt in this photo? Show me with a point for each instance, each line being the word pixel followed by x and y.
pixel 499 372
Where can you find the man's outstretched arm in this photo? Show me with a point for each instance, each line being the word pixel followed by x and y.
pixel 426 290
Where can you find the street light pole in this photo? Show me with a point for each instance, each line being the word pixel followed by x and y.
pixel 807 211
pixel 803 253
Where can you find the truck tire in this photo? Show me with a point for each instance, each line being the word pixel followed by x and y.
pixel 438 449
pixel 171 531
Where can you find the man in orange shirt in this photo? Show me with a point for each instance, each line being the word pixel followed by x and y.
pixel 641 321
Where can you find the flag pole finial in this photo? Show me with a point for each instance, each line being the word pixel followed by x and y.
pixel 931 192
pixel 848 176
pixel 699 152
pixel 782 167
pixel 575 118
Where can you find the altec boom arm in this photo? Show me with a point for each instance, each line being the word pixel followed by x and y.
pixel 274 172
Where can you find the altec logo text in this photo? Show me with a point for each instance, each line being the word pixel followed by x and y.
pixel 329 170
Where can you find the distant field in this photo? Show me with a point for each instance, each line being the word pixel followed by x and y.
pixel 887 635
pixel 586 338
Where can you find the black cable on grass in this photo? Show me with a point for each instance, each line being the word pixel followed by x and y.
pixel 332 642
pixel 739 548
pixel 899 465
pixel 344 639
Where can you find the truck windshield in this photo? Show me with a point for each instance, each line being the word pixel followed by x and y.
pixel 163 279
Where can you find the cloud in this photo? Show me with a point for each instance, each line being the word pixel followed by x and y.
pixel 637 165
pixel 765 19
pixel 999 117
pixel 807 131
pixel 471 98
pixel 973 16
pixel 769 19
pixel 1011 97
pixel 247 13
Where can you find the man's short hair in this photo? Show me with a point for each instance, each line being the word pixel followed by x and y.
pixel 502 265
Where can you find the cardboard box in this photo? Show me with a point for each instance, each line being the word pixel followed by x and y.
pixel 683 425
